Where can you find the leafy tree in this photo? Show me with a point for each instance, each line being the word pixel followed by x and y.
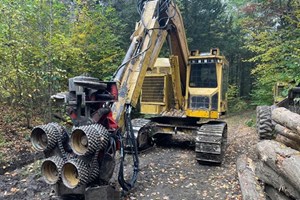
pixel 45 42
pixel 272 34
pixel 95 32
pixel 128 14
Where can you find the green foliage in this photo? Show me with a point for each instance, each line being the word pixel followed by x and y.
pixel 232 93
pixel 28 169
pixel 235 103
pixel 250 122
pixel 272 32
pixel 262 94
pixel 94 35
pixel 128 15
pixel 205 23
pixel 43 43
pixel 2 141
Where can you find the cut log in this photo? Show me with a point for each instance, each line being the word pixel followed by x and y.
pixel 287 119
pixel 250 187
pixel 267 175
pixel 287 133
pixel 282 159
pixel 287 142
pixel 274 194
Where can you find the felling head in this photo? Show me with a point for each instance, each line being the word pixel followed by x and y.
pixel 79 141
pixel 75 173
pixel 51 169
pixel 86 140
pixel 44 137
pixel 39 138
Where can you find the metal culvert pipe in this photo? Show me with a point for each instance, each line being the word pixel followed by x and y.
pixel 86 140
pixel 51 169
pixel 74 173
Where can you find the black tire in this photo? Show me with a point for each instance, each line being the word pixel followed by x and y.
pixel 264 124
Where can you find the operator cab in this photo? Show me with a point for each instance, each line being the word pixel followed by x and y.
pixel 207 76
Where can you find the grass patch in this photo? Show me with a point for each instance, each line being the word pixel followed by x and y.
pixel 2 141
pixel 34 167
pixel 252 121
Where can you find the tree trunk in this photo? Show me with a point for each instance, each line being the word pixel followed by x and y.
pixel 287 133
pixel 271 177
pixel 284 160
pixel 274 194
pixel 287 142
pixel 287 119
pixel 250 188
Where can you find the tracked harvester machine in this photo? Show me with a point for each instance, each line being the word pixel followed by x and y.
pixel 188 111
pixel 186 94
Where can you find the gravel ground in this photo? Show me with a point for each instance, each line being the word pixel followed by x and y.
pixel 165 173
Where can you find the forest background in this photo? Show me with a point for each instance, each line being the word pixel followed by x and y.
pixel 43 43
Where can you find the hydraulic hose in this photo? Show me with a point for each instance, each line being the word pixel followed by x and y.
pixel 128 185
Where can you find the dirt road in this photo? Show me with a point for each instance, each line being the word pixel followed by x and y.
pixel 165 173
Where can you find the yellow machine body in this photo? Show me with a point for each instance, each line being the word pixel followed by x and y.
pixel 279 92
pixel 175 89
pixel 206 87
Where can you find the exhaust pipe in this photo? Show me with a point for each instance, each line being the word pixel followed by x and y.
pixel 74 173
pixel 86 140
pixel 51 169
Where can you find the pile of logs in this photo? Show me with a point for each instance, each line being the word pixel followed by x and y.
pixel 279 161
pixel 287 127
pixel 278 165
pixel 250 187
pixel 279 168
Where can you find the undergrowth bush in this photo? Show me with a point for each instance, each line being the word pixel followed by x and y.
pixel 2 140
pixel 236 103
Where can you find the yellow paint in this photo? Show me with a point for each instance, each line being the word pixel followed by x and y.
pixel 176 82
pixel 172 87
pixel 208 92
pixel 202 91
pixel 202 114
pixel 151 109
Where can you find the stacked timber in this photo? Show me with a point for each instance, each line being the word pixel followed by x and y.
pixel 279 169
pixel 279 160
pixel 287 128
pixel 250 187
